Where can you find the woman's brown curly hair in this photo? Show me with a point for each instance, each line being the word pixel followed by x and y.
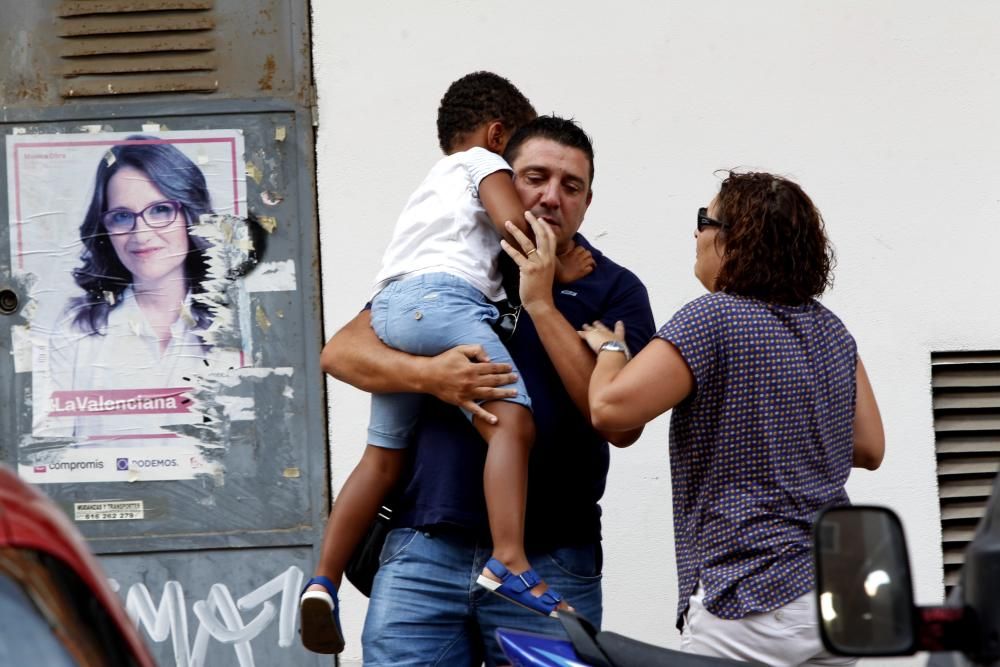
pixel 775 241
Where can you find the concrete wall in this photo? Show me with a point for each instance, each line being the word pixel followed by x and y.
pixel 885 112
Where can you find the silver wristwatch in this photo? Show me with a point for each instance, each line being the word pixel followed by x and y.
pixel 615 346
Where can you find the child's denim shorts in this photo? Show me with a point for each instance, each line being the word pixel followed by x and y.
pixel 426 315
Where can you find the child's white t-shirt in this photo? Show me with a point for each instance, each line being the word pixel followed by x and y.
pixel 445 229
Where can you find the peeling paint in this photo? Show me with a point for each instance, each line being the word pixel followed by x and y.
pixel 257 374
pixel 268 222
pixel 253 171
pixel 272 277
pixel 230 416
pixel 262 321
pixel 271 198
pixel 20 348
pixel 229 255
pixel 279 133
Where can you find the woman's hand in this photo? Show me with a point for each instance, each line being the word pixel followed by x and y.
pixel 597 334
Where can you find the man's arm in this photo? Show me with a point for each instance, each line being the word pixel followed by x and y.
pixel 572 358
pixel 460 376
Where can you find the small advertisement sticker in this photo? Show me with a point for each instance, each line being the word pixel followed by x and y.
pixel 108 510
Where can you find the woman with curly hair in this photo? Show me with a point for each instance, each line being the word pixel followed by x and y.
pixel 771 409
pixel 139 324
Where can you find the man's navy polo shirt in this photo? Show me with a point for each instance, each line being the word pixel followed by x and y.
pixel 569 461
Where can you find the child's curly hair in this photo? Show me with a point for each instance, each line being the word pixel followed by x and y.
pixel 776 247
pixel 477 98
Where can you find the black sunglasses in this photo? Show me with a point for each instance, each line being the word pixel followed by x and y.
pixel 705 221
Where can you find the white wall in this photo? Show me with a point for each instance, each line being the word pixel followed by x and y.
pixel 886 113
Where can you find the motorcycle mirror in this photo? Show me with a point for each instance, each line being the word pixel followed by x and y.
pixel 863 583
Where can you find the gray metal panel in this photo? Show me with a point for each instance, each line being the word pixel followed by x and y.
pixel 259 523
pixel 262 49
pixel 258 532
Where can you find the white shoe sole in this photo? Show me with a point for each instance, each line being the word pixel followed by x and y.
pixel 319 631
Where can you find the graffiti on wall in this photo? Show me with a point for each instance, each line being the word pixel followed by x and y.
pixel 234 622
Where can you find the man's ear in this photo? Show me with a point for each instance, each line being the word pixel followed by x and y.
pixel 496 134
pixel 590 196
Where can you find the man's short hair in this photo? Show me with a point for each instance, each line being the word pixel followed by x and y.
pixel 478 98
pixel 565 131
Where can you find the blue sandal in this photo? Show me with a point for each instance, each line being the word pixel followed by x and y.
pixel 517 588
pixel 320 616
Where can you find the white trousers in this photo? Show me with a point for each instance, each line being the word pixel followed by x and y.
pixel 783 637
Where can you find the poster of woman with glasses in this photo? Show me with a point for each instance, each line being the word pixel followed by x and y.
pixel 127 324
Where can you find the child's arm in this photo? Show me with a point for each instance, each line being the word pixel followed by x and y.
pixel 502 203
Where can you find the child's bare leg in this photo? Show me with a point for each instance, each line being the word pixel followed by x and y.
pixel 505 483
pixel 355 507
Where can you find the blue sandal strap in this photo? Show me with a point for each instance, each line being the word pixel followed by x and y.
pixel 518 587
pixel 325 582
pixel 552 598
pixel 497 568
pixel 529 578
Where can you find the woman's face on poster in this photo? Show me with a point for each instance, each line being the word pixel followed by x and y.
pixel 154 255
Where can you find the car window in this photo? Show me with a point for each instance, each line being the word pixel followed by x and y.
pixel 26 637
pixel 50 616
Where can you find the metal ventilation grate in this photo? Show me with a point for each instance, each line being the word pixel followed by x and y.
pixel 966 389
pixel 128 47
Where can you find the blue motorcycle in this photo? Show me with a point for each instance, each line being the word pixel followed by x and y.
pixel 588 647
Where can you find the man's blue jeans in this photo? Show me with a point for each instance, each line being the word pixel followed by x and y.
pixel 426 608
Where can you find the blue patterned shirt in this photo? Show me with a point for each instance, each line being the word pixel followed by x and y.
pixel 764 442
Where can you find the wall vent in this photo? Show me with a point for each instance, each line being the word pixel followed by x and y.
pixel 966 390
pixel 130 47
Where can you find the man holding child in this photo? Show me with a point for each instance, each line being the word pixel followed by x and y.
pixel 426 607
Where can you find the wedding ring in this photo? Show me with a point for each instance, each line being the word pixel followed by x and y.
pixel 528 254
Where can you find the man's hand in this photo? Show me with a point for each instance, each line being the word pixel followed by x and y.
pixel 463 375
pixel 537 262
pixel 459 376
